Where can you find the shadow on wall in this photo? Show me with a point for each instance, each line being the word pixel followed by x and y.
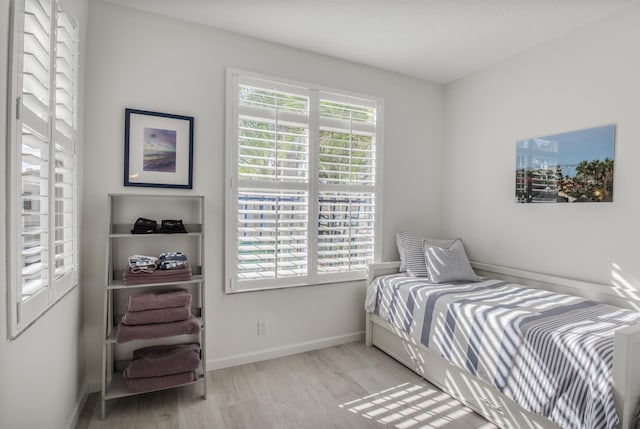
pixel 625 286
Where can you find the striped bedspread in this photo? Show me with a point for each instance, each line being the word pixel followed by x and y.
pixel 551 353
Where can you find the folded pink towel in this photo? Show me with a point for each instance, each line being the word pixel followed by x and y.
pixel 157 315
pixel 159 299
pixel 166 279
pixel 156 361
pixel 158 276
pixel 138 385
pixel 157 330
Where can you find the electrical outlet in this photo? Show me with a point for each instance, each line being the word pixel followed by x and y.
pixel 262 327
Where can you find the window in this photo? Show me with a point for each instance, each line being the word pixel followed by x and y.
pixel 42 160
pixel 303 184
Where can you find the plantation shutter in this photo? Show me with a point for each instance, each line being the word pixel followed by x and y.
pixel 302 175
pixel 64 137
pixel 273 177
pixel 43 160
pixel 34 158
pixel 347 172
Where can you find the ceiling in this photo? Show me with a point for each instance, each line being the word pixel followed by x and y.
pixel 436 40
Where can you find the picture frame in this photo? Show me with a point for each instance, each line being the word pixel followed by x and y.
pixel 571 167
pixel 158 149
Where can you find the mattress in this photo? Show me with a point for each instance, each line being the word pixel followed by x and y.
pixel 549 352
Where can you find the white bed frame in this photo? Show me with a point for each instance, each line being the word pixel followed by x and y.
pixel 481 396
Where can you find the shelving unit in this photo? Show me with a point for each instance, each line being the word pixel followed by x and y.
pixel 123 210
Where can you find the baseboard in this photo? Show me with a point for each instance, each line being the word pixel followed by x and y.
pixel 75 415
pixel 287 350
pixel 94 386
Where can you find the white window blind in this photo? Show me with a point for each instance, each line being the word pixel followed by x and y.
pixel 42 204
pixel 347 174
pixel 302 196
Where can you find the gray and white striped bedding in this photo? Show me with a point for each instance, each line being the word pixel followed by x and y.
pixel 551 353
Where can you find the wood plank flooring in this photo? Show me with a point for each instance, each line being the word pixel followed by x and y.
pixel 347 386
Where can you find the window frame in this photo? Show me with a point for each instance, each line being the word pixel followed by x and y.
pixel 22 313
pixel 232 285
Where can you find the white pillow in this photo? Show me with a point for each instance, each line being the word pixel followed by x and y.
pixel 448 263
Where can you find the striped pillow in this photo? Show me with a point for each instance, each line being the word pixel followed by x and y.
pixel 412 257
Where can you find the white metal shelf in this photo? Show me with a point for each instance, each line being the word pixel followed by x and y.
pixel 119 284
pixel 154 235
pixel 123 210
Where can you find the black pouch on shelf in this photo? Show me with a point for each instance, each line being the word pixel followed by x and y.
pixel 170 226
pixel 144 226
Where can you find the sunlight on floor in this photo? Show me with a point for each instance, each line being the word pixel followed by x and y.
pixel 410 406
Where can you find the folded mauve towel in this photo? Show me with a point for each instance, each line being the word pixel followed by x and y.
pixel 166 279
pixel 138 385
pixel 158 276
pixel 157 330
pixel 159 299
pixel 156 361
pixel 157 315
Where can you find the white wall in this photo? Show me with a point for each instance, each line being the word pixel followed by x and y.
pixel 42 372
pixel 135 59
pixel 145 61
pixel 585 79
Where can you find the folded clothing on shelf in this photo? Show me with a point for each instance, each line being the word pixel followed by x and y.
pixel 172 226
pixel 172 256
pixel 157 361
pixel 157 315
pixel 146 384
pixel 142 264
pixel 157 330
pixel 159 299
pixel 172 260
pixel 144 226
pixel 149 226
pixel 172 265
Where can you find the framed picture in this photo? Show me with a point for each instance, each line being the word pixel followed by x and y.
pixel 573 167
pixel 158 149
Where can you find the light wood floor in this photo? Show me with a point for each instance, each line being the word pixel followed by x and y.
pixel 347 386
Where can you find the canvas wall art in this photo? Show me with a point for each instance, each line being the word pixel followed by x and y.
pixel 571 167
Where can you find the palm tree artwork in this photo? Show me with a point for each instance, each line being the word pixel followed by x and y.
pixel 577 166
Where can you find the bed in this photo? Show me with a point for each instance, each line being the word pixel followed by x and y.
pixel 489 378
